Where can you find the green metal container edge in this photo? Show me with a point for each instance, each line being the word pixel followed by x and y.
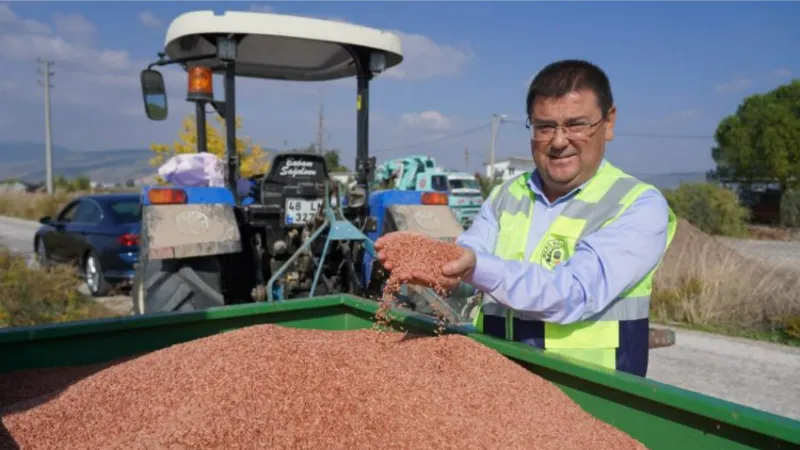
pixel 733 414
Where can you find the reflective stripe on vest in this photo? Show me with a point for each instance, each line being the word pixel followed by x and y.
pixel 602 200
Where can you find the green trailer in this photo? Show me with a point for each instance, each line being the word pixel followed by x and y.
pixel 658 415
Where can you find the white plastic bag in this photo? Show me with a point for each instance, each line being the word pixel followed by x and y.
pixel 193 169
pixel 199 169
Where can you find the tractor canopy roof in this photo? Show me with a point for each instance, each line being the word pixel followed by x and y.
pixel 281 47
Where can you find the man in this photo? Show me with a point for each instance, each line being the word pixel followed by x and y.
pixel 565 255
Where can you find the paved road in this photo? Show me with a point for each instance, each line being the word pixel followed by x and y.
pixel 760 375
pixel 752 373
pixel 779 253
pixel 17 235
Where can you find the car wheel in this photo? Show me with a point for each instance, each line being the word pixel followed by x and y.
pixel 93 275
pixel 40 256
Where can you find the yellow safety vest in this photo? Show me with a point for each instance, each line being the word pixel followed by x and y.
pixel 604 198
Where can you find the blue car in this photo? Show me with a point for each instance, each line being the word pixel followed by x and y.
pixel 97 233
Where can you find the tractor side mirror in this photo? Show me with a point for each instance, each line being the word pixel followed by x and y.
pixel 154 94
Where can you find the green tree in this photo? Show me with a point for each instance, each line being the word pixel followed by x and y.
pixel 761 141
pixel 332 160
pixel 711 208
pixel 253 160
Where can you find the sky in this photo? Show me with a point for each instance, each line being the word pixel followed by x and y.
pixel 676 69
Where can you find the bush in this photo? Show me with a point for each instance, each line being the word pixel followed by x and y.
pixel 703 282
pixel 790 208
pixel 34 296
pixel 711 208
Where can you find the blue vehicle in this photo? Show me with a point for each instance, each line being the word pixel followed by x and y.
pixel 206 247
pixel 97 233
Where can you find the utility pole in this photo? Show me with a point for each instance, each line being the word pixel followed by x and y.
pixel 466 158
pixel 497 119
pixel 48 132
pixel 321 127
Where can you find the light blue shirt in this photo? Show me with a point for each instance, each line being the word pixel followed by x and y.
pixel 604 264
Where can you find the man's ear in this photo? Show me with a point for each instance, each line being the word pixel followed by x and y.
pixel 611 120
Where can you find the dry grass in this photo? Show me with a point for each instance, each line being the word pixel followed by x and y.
pixel 33 206
pixel 704 282
pixel 35 296
pixel 771 233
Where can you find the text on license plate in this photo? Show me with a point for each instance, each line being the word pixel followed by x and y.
pixel 300 211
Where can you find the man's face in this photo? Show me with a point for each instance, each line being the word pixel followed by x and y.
pixel 567 159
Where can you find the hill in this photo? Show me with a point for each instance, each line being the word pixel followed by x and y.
pixel 25 160
pixel 671 180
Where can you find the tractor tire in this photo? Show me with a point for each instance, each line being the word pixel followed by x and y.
pixel 170 285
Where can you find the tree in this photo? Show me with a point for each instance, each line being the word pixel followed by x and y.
pixel 253 159
pixel 332 160
pixel 761 141
pixel 487 184
pixel 710 207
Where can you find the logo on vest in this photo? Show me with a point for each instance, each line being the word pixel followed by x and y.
pixel 554 253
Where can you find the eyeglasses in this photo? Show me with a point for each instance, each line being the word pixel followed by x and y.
pixel 574 131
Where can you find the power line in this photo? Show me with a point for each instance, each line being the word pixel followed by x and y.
pixel 431 141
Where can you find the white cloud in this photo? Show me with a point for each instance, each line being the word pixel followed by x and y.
pixel 737 84
pixel 781 73
pixel 261 7
pixel 427 121
pixel 674 118
pixel 149 20
pixel 84 75
pixel 11 23
pixel 22 47
pixel 73 25
pixel 424 58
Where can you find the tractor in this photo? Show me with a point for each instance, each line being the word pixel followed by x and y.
pixel 296 233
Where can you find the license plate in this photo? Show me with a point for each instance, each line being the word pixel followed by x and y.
pixel 300 211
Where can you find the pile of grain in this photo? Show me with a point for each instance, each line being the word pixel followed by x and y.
pixel 274 387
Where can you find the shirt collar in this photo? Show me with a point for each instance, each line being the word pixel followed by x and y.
pixel 535 184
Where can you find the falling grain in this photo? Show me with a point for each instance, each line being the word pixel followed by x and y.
pixel 409 253
pixel 273 387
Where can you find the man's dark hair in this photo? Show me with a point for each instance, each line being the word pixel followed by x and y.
pixel 562 77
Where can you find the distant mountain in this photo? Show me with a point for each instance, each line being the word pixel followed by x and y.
pixel 672 180
pixel 26 161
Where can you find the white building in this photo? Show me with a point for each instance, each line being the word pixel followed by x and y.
pixel 509 167
pixel 343 177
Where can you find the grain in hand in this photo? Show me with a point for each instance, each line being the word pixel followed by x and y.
pixel 409 253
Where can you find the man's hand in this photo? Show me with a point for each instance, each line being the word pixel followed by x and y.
pixel 454 271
